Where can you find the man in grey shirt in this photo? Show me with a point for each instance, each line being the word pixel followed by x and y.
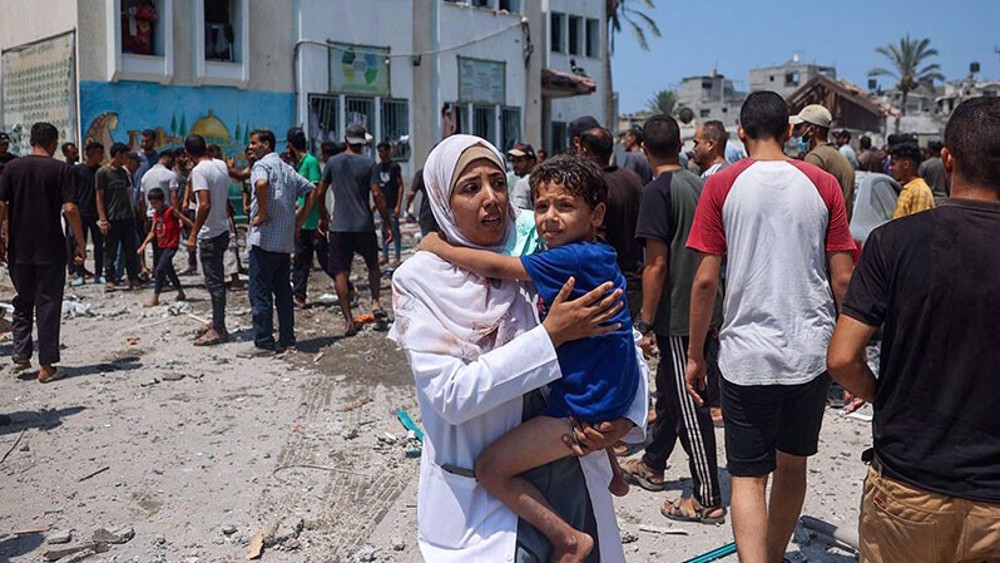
pixel 353 177
pixel 932 170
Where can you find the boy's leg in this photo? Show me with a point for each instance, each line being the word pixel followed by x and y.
pixel 534 443
pixel 167 258
pixel 618 486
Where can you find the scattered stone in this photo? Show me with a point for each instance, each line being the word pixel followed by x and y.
pixel 400 546
pixel 366 554
pixel 629 537
pixel 159 540
pixel 256 545
pixel 59 536
pixel 350 433
pixel 173 376
pixel 228 529
pixel 117 535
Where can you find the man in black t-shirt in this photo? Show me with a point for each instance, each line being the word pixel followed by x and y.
pixel 390 179
pixel 116 216
pixel 33 190
pixel 86 201
pixel 618 230
pixel 425 217
pixel 931 282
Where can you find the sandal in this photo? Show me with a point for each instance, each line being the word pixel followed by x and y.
pixel 58 374
pixel 21 365
pixel 636 472
pixel 676 511
pixel 210 338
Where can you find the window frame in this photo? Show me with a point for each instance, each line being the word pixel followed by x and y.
pixel 557 33
pixel 592 41
pixel 575 27
pixel 142 68
pixel 220 73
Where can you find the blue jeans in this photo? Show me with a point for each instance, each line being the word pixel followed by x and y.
pixel 269 289
pixel 394 222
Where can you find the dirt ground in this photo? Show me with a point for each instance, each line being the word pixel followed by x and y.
pixel 196 451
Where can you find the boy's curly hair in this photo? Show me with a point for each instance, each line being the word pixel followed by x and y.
pixel 576 174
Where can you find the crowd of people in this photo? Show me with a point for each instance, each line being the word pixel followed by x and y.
pixel 540 294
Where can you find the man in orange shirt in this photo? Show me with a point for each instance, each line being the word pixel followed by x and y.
pixel 916 195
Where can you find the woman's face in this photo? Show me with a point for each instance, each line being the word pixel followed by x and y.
pixel 479 203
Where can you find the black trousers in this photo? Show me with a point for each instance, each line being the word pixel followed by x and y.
pixel 91 229
pixel 213 268
pixel 677 416
pixel 121 232
pixel 308 244
pixel 39 300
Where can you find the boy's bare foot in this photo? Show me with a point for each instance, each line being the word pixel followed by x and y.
pixel 350 329
pixel 180 296
pixel 575 550
pixel 618 486
pixel 153 301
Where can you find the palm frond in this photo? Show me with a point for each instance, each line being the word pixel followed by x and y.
pixel 882 72
pixel 648 21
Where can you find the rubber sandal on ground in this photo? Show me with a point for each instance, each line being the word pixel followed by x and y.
pixel 636 472
pixel 58 374
pixel 675 511
pixel 21 365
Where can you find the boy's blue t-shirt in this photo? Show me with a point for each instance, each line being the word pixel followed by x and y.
pixel 599 374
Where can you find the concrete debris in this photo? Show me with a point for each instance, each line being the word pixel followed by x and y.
pixel 179 308
pixel 74 309
pixel 366 554
pixel 59 536
pixel 116 535
pixel 284 533
pixel 256 546
pixel 228 529
pixel 629 537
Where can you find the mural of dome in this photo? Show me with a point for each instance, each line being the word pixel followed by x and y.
pixel 211 128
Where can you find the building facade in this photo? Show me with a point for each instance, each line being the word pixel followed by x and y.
pixel 787 78
pixel 411 71
pixel 711 97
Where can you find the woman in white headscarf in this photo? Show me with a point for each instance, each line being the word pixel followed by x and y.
pixel 479 357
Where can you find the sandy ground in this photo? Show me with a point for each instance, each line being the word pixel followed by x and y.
pixel 196 451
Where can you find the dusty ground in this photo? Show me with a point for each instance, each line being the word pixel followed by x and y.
pixel 305 449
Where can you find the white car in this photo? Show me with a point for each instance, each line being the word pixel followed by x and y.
pixel 875 197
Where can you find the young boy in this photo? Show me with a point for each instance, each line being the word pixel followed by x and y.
pixel 167 231
pixel 600 374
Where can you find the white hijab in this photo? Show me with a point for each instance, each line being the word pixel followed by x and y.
pixel 440 308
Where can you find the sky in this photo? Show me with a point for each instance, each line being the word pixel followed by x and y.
pixel 734 36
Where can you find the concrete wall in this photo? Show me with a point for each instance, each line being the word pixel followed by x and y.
pixel 21 24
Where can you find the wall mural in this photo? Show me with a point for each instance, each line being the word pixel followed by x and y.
pixel 119 112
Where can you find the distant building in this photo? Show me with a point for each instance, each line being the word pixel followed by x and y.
pixel 852 108
pixel 574 82
pixel 789 77
pixel 711 97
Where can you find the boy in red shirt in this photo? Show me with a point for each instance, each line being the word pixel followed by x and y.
pixel 166 230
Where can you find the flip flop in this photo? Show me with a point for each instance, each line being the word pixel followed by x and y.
pixel 676 511
pixel 21 365
pixel 58 374
pixel 205 340
pixel 635 471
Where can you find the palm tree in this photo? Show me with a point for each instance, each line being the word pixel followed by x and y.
pixel 663 101
pixel 906 59
pixel 617 12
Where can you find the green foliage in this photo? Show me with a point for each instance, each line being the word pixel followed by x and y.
pixel 908 60
pixel 663 101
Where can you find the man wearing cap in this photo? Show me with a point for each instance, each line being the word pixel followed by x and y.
pixel 522 156
pixel 916 195
pixel 353 177
pixel 812 126
pixel 843 139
